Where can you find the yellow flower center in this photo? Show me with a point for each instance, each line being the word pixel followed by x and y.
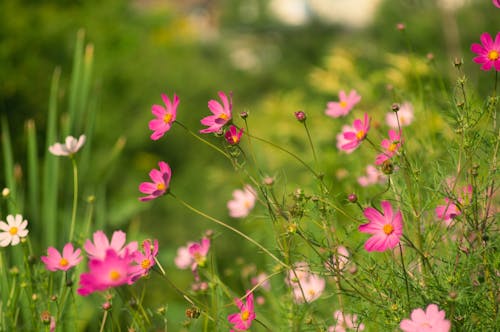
pixel 388 229
pixel 343 104
pixel 167 118
pixel 235 139
pixel 161 186
pixel 493 55
pixel 114 275
pixel 63 262
pixel 223 116
pixel 13 230
pixel 312 292
pixel 393 147
pixel 360 134
pixel 145 263
pixel 245 314
pixel 200 259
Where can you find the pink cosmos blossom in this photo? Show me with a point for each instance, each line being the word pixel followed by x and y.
pixel 430 320
pixel 12 231
pixel 496 3
pixel 262 279
pixel 243 320
pixel 306 286
pixel 336 263
pixel 243 202
pixel 55 261
pixel 449 211
pixel 183 260
pixel 355 137
pixel 344 105
pixel 101 245
pixel 405 116
pixel 386 228
pixel 233 135
pixel 345 322
pixel 221 114
pixel 373 176
pixel 145 260
pixel 342 141
pixel 159 186
pixel 71 146
pixel 198 252
pixel 165 116
pixel 488 53
pixel 391 146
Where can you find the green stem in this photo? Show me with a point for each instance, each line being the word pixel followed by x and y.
pixel 311 143
pixel 75 199
pixel 103 323
pixel 406 277
pixel 204 140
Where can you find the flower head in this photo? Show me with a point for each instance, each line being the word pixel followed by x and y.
pixel 404 114
pixel 69 148
pixel 183 260
pixel 233 135
pixel 355 137
pixel 199 252
pixel 101 245
pixel 430 320
pixel 448 211
pixel 337 262
pixel 145 260
pixel 55 261
pixel 165 116
pixel 373 176
pixel 488 54
pixel 13 230
pixel 345 322
pixel 391 147
pixel 242 203
pixel 496 3
pixel 159 186
pixel 306 286
pixel 386 228
pixel 341 141
pixel 344 105
pixel 243 320
pixel 221 114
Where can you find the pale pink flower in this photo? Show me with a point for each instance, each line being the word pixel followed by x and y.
pixel 345 322
pixel 373 176
pixel 13 230
pixel 337 262
pixel 449 211
pixel 390 146
pixel 243 202
pixel 243 320
pixel 342 141
pixel 55 261
pixel 233 135
pixel 159 186
pixel 145 260
pixel 385 227
pixel 488 53
pixel 344 105
pixel 430 320
pixel 183 260
pixel 165 116
pixel 222 113
pixel 101 244
pixel 306 286
pixel 262 279
pixel 405 115
pixel 355 137
pixel 70 147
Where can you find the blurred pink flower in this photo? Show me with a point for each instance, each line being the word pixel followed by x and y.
pixel 405 115
pixel 345 322
pixel 243 320
pixel 13 230
pixel 496 3
pixel 488 53
pixel 391 146
pixel 262 280
pixel 386 228
pixel 448 211
pixel 242 203
pixel 165 116
pixel 337 262
pixel 101 245
pixel 70 147
pixel 233 135
pixel 430 320
pixel 373 176
pixel 356 136
pixel 55 261
pixel 145 260
pixel 198 252
pixel 159 186
pixel 342 141
pixel 183 260
pixel 344 105
pixel 221 114
pixel 306 286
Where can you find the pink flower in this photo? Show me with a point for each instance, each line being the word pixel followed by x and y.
pixel 145 260
pixel 344 106
pixel 405 116
pixel 391 146
pixel 496 3
pixel 306 286
pixel 71 146
pixel 233 136
pixel 159 186
pixel 447 212
pixel 55 261
pixel 488 53
pixel 183 260
pixel 221 114
pixel 342 141
pixel 355 137
pixel 243 320
pixel 336 263
pixel 432 320
pixel 262 279
pixel 165 116
pixel 373 176
pixel 198 252
pixel 12 231
pixel 386 228
pixel 242 203
pixel 101 245
pixel 345 322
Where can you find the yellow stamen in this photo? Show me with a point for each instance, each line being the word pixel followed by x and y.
pixel 235 139
pixel 388 229
pixel 145 263
pixel 343 104
pixel 13 230
pixel 360 134
pixel 245 315
pixel 114 275
pixel 161 186
pixel 493 55
pixel 63 262
pixel 223 116
pixel 167 118
pixel 393 147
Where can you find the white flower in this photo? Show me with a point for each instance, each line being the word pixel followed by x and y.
pixel 71 146
pixel 13 230
pixel 242 203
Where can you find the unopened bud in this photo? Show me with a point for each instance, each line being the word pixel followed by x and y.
pixel 106 306
pixel 352 198
pixel 395 107
pixel 300 116
pixel 5 192
pixel 244 115
pixel 401 26
pixel 458 63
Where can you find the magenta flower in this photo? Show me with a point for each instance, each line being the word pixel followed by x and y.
pixel 165 116
pixel 488 53
pixel 12 231
pixel 145 260
pixel 243 320
pixel 159 186
pixel 69 148
pixel 404 115
pixel 233 136
pixel 198 252
pixel 373 176
pixel 448 211
pixel 101 245
pixel 221 114
pixel 355 137
pixel 386 228
pixel 55 261
pixel 243 202
pixel 430 320
pixel 391 146
pixel 496 3
pixel 344 105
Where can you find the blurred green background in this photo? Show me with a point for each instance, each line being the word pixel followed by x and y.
pixel 276 57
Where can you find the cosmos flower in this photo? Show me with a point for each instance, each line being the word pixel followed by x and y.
pixel 430 320
pixel 243 320
pixel 13 230
pixel 386 227
pixel 160 184
pixel 222 113
pixel 101 244
pixel 356 136
pixel 242 203
pixel 69 148
pixel 55 261
pixel 165 116
pixel 404 114
pixel 390 146
pixel 344 105
pixel 233 135
pixel 488 52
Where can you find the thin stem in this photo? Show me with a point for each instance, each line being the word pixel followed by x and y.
pixel 311 143
pixel 103 323
pixel 203 140
pixel 75 199
pixel 406 277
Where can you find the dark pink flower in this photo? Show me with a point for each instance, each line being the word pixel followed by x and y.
pixel 145 260
pixel 55 261
pixel 488 53
pixel 430 320
pixel 165 116
pixel 354 138
pixel 448 211
pixel 199 252
pixel 496 3
pixel 221 114
pixel 243 320
pixel 344 105
pixel 101 245
pixel 386 228
pixel 159 186
pixel 233 135
pixel 391 146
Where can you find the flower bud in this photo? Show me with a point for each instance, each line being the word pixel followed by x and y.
pixel 244 115
pixel 352 198
pixel 106 306
pixel 5 192
pixel 395 107
pixel 300 116
pixel 401 26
